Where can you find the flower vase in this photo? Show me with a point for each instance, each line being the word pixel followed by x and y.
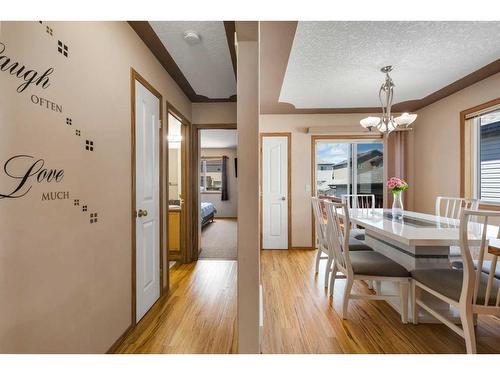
pixel 397 205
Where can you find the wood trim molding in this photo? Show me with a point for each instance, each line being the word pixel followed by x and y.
pixel 463 115
pixel 164 279
pixel 153 42
pixel 230 27
pixel 216 126
pixel 289 182
pixel 112 349
pixel 186 235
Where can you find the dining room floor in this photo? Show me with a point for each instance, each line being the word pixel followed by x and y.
pixel 198 315
pixel 299 317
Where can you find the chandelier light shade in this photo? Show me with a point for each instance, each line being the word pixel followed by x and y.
pixel 387 123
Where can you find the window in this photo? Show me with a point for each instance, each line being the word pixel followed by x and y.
pixel 211 175
pixel 485 156
pixel 344 167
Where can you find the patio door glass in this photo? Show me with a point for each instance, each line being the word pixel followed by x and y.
pixel 349 168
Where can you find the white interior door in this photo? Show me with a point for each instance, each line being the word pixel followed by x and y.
pixel 275 193
pixel 147 162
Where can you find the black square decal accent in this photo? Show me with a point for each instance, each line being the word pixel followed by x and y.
pixel 76 202
pixel 93 218
pixel 77 132
pixel 69 121
pixel 49 30
pixel 62 48
pixel 89 145
pixel 84 208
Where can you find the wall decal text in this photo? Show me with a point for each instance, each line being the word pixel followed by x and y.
pixel 46 103
pixel 55 195
pixel 25 170
pixel 29 76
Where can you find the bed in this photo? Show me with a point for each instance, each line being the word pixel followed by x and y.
pixel 208 212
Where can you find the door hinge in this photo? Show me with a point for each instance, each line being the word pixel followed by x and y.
pixel 159 124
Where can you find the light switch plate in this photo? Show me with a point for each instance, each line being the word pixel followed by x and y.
pixel 308 188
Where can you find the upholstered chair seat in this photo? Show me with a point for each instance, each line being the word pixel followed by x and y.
pixel 449 283
pixel 373 263
pixel 357 245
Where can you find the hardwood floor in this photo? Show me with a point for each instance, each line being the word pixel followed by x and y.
pixel 199 315
pixel 299 317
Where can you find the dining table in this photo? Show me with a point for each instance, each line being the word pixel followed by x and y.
pixel 416 241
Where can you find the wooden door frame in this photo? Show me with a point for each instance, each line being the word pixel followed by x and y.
pixel 315 138
pixel 194 179
pixel 164 279
pixel 288 135
pixel 463 115
pixel 186 235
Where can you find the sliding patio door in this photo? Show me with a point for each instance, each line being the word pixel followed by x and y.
pixel 349 167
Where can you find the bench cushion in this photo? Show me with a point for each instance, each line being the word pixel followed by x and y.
pixel 373 263
pixel 448 282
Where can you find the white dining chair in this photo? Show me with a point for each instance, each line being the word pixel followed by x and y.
pixel 470 290
pixel 359 201
pixel 323 252
pixel 321 242
pixel 452 208
pixel 367 265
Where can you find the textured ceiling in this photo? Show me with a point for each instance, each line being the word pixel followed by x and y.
pixel 207 65
pixel 337 64
pixel 218 138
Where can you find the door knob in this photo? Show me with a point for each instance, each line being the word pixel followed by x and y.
pixel 283 198
pixel 142 213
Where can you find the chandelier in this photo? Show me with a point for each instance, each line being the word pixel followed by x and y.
pixel 387 123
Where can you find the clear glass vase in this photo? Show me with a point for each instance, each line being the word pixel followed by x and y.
pixel 397 205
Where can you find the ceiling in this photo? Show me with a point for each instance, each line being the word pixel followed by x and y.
pixel 218 138
pixel 334 67
pixel 205 70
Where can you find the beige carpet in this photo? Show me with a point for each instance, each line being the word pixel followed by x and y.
pixel 218 239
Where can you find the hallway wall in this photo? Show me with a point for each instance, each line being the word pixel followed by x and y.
pixel 65 279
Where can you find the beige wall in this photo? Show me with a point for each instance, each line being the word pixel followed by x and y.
pixel 227 208
pixel 65 283
pixel 301 160
pixel 435 162
pixel 214 113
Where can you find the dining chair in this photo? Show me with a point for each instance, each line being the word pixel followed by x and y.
pixel 470 290
pixel 320 221
pixel 321 243
pixel 367 265
pixel 360 201
pixel 452 208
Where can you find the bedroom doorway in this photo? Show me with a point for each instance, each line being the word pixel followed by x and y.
pixel 217 193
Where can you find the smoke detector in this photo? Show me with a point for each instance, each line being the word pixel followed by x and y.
pixel 191 37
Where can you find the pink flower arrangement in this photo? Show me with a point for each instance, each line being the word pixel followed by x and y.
pixel 396 184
